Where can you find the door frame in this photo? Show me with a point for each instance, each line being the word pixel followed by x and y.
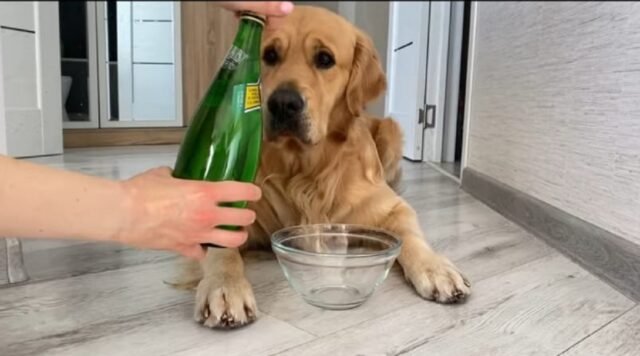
pixel 471 59
pixel 452 90
pixel 436 90
pixel 470 67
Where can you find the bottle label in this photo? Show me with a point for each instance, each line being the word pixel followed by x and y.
pixel 246 98
pixel 252 99
pixel 234 57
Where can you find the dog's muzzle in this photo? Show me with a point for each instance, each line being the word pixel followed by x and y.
pixel 286 109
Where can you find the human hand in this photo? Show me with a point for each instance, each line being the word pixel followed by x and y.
pixel 166 213
pixel 274 10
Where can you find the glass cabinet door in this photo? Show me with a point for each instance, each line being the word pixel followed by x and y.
pixel 78 64
pixel 121 64
pixel 139 63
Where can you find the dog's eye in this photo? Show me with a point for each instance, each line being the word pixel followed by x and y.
pixel 270 56
pixel 324 60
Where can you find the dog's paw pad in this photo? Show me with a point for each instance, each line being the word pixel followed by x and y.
pixel 226 305
pixel 436 278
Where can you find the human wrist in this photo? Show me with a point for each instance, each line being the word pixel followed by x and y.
pixel 124 201
pixel 108 212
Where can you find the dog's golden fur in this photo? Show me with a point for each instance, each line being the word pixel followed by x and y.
pixel 341 169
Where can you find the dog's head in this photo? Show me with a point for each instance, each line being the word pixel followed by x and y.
pixel 318 72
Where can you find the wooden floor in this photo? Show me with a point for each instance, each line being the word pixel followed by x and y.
pixel 99 299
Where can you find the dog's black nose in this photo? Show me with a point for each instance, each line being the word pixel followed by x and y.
pixel 285 103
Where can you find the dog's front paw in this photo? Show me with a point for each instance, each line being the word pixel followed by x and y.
pixel 225 304
pixel 435 278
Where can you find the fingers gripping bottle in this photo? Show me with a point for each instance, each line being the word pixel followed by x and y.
pixel 224 138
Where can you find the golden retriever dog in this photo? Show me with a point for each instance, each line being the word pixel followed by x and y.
pixel 323 161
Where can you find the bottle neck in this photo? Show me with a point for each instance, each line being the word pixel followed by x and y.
pixel 249 36
pixel 253 16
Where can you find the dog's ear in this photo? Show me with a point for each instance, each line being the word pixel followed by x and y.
pixel 367 80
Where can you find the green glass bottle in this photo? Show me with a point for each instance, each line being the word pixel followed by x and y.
pixel 224 138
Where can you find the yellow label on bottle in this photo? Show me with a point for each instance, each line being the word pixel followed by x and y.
pixel 252 98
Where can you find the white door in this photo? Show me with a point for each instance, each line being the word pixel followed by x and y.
pixel 30 82
pixel 417 72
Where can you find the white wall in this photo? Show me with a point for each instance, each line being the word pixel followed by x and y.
pixel 555 106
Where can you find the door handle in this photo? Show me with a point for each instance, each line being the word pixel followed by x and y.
pixel 403 46
pixel 423 117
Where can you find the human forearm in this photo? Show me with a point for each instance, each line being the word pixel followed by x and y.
pixel 39 201
pixel 151 210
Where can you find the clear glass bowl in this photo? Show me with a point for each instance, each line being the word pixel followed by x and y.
pixel 335 266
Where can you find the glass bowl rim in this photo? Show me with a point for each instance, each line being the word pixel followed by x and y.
pixel 391 251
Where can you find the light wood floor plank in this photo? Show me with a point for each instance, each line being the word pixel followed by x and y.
pixel 77 259
pixel 480 255
pixel 97 299
pixel 539 308
pixel 131 307
pixel 620 338
pixel 166 331
pixel 49 308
